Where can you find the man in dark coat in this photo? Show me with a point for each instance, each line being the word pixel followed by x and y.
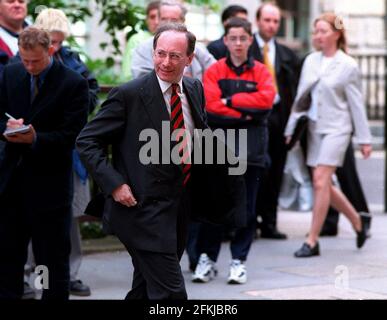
pixel 148 203
pixel 36 167
pixel 284 66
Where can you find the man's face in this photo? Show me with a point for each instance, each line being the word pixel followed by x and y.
pixel 170 14
pixel 170 56
pixel 13 11
pixel 152 20
pixel 35 60
pixel 238 42
pixel 269 22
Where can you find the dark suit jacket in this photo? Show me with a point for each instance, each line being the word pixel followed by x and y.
pixel 287 69
pixel 131 108
pixel 58 113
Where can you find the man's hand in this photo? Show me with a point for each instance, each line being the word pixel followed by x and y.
pixel 27 138
pixel 366 150
pixel 124 195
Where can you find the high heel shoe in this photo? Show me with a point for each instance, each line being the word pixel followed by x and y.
pixel 361 236
pixel 307 251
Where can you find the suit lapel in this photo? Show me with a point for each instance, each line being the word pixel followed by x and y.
pixel 154 105
pixel 255 51
pixel 154 102
pixel 24 86
pixel 194 103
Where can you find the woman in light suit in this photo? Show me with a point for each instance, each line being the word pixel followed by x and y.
pixel 332 79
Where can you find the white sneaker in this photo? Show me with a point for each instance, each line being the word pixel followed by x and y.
pixel 238 274
pixel 205 269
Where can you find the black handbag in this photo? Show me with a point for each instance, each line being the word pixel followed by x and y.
pixel 302 124
pixel 303 104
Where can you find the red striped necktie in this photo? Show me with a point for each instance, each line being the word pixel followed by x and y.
pixel 177 124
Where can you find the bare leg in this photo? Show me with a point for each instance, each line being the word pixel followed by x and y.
pixel 322 184
pixel 342 204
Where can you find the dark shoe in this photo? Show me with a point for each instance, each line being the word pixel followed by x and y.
pixel 77 288
pixel 28 293
pixel 328 231
pixel 273 233
pixel 307 251
pixel 362 235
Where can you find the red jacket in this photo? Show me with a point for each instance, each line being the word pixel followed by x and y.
pixel 247 89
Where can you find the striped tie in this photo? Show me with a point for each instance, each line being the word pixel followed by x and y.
pixel 177 124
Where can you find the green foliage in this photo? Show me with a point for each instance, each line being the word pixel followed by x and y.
pixel 103 70
pixel 116 15
pixel 75 10
pixel 213 5
pixel 91 230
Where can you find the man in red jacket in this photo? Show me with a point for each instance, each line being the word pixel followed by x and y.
pixel 239 92
pixel 12 15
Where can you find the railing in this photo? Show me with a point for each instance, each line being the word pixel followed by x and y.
pixel 373 70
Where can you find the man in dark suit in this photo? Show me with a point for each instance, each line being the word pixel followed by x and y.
pixel 284 66
pixel 36 170
pixel 148 204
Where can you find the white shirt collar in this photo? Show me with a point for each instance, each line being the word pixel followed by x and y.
pixel 262 42
pixel 166 85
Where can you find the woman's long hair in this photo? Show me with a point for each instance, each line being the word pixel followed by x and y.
pixel 337 25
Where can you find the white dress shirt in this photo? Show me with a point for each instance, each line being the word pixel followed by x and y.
pixel 166 89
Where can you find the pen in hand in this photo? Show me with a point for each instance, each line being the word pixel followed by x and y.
pixel 19 122
pixel 9 116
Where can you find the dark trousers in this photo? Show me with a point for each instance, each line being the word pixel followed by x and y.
pixel 267 196
pixel 351 187
pixel 50 235
pixel 193 234
pixel 157 275
pixel 210 236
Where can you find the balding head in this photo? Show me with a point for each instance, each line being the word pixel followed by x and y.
pixel 268 20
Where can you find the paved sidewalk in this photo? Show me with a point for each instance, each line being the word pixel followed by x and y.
pixel 341 272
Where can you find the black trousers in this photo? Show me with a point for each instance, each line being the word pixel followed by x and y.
pixel 157 275
pixel 351 187
pixel 267 196
pixel 49 231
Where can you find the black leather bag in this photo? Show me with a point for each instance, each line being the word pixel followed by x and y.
pixel 303 104
pixel 301 126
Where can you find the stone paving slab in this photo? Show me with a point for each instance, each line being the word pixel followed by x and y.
pixel 320 292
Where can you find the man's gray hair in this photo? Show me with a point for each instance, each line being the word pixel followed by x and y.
pixel 175 3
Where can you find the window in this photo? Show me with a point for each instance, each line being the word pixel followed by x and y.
pixel 295 23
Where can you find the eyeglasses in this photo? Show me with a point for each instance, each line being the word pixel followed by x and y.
pixel 241 39
pixel 173 56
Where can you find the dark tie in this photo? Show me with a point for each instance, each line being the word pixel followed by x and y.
pixel 177 123
pixel 34 87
